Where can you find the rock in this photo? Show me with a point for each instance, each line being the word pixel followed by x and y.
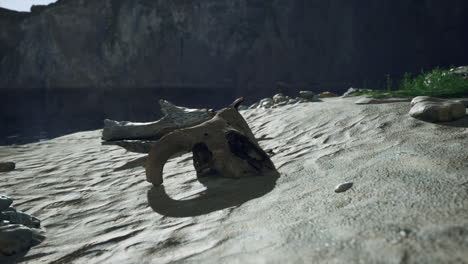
pixel 462 71
pixel 308 95
pixel 7 166
pixel 465 102
pixel 5 202
pixel 343 187
pixel 327 95
pixel 293 101
pixel 18 217
pixel 352 90
pixel 266 103
pixel 175 117
pixel 436 110
pixel 367 100
pixel 280 98
pixel 15 239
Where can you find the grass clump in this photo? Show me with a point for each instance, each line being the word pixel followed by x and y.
pixel 436 83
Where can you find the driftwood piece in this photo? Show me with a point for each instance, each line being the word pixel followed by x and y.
pixel 222 146
pixel 175 117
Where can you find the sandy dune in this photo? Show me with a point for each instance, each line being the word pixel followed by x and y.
pixel 409 202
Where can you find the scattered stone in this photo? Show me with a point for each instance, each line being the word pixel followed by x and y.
pixel 7 166
pixel 367 100
pixel 308 95
pixel 327 95
pixel 5 202
pixel 352 90
pixel 343 187
pixel 18 217
pixel 18 231
pixel 15 239
pixel 432 109
pixel 280 98
pixel 266 103
pixel 462 71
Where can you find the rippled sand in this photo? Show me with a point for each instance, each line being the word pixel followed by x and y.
pixel 409 202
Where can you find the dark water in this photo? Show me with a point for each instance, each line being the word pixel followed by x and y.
pixel 32 115
pixel 39 114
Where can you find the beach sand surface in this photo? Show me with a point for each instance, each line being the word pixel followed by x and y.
pixel 408 204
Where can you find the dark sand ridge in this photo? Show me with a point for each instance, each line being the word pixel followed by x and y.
pixel 409 202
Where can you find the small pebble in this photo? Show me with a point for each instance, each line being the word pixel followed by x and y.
pixel 7 166
pixel 343 187
pixel 404 232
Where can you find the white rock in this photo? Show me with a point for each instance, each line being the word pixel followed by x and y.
pixel 343 187
pixel 280 98
pixel 436 109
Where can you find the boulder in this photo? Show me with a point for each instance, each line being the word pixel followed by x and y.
pixel 432 109
pixel 327 95
pixel 175 117
pixel 5 202
pixel 7 166
pixel 18 217
pixel 367 100
pixel 15 239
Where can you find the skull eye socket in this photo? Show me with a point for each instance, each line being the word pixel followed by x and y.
pixel 202 156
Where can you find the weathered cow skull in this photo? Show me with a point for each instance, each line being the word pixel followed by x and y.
pixel 223 146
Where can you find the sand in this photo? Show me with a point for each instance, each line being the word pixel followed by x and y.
pixel 409 202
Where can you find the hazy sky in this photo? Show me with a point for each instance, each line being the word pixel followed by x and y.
pixel 23 5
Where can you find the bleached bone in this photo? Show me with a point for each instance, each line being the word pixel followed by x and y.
pixel 223 146
pixel 175 117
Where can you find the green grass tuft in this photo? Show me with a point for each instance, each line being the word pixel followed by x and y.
pixel 436 83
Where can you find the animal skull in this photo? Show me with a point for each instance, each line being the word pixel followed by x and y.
pixel 223 146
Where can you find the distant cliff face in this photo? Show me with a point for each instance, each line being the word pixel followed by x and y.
pixel 121 54
pixel 245 45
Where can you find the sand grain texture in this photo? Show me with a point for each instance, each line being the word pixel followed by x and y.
pixel 408 204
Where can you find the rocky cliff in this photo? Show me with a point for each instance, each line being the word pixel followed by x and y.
pixel 212 49
pixel 241 44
